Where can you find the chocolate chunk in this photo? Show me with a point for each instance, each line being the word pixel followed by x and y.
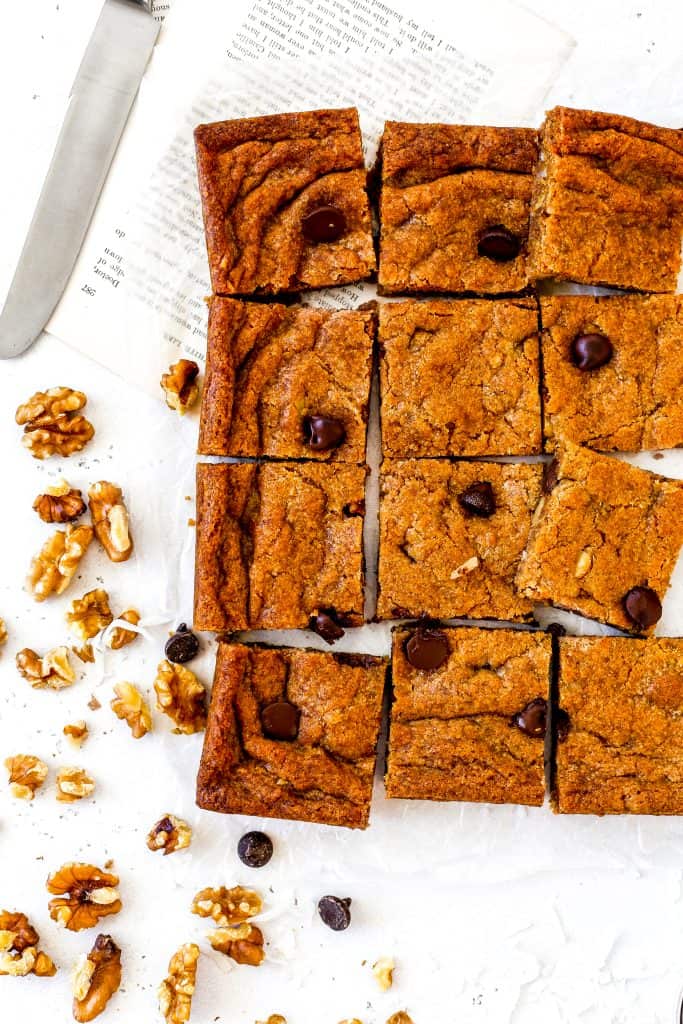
pixel 326 626
pixel 255 849
pixel 324 224
pixel 591 351
pixel 562 724
pixel 499 244
pixel 182 646
pixel 642 606
pixel 280 720
pixel 533 718
pixel 323 432
pixel 556 629
pixel 427 649
pixel 334 912
pixel 478 499
pixel 550 475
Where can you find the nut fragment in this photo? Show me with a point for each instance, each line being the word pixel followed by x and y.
pixel 181 696
pixel 243 944
pixel 96 979
pixel 19 953
pixel 3 632
pixel 583 564
pixel 227 907
pixel 52 423
pixel 169 834
pixel 176 990
pixel 400 1018
pixel 26 775
pixel 73 784
pixel 120 636
pixel 130 706
pixel 55 565
pixel 90 614
pixel 85 653
pixel 60 503
pixel 53 671
pixel 76 732
pixel 110 520
pixel 83 894
pixel 275 1018
pixel 469 566
pixel 180 385
pixel 384 972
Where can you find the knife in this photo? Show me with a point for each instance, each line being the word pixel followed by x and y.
pixel 100 101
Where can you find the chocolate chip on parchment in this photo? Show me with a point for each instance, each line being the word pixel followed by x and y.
pixel 255 849
pixel 591 351
pixel 323 224
pixel 642 606
pixel 478 499
pixel 280 720
pixel 326 625
pixel 182 646
pixel 334 912
pixel 427 648
pixel 323 432
pixel 499 244
pixel 533 719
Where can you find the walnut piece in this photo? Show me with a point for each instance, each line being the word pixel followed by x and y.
pixel 3 632
pixel 181 696
pixel 89 615
pixel 26 775
pixel 176 990
pixel 19 953
pixel 52 423
pixel 401 1017
pixel 275 1018
pixel 96 979
pixel 60 503
pixel 85 653
pixel 384 972
pixel 73 784
pixel 84 894
pixel 169 834
pixel 130 706
pixel 180 385
pixel 110 520
pixel 244 943
pixel 76 732
pixel 53 671
pixel 227 907
pixel 120 636
pixel 55 565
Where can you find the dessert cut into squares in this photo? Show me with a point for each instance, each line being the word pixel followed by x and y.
pixel 292 733
pixel 284 201
pixel 454 208
pixel 469 715
pixel 459 377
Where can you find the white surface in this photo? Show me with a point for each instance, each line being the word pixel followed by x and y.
pixel 494 915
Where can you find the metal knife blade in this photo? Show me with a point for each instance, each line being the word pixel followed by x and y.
pixel 100 102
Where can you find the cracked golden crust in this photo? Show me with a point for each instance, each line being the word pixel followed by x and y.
pixel 442 185
pixel 628 521
pixel 268 366
pixel 635 401
pixel 624 749
pixel 326 774
pixel 459 377
pixel 607 206
pixel 452 736
pixel 276 543
pixel 259 176
pixel 436 560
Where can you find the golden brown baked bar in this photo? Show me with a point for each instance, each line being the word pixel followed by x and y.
pixel 284 201
pixel 607 206
pixel 292 734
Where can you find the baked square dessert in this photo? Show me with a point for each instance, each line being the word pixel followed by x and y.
pixel 459 377
pixel 292 734
pixel 454 208
pixel 613 371
pixel 604 541
pixel 284 202
pixel 286 382
pixel 468 719
pixel 451 535
pixel 621 745
pixel 279 546
pixel 607 207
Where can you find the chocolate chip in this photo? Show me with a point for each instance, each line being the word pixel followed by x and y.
pixel 427 648
pixel 556 629
pixel 562 724
pixel 499 244
pixel 323 432
pixel 551 472
pixel 334 912
pixel 478 499
pixel 642 606
pixel 326 626
pixel 255 849
pixel 591 351
pixel 280 720
pixel 182 646
pixel 324 224
pixel 533 718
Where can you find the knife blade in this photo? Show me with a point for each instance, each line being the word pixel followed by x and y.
pixel 101 98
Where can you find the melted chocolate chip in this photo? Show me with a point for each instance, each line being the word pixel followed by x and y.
pixel 562 724
pixel 642 606
pixel 255 849
pixel 323 432
pixel 591 351
pixel 427 648
pixel 478 499
pixel 550 475
pixel 533 718
pixel 334 912
pixel 499 244
pixel 324 224
pixel 182 646
pixel 326 626
pixel 280 720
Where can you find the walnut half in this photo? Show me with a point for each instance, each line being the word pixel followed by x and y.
pixel 53 671
pixel 27 774
pixel 227 907
pixel 55 565
pixel 73 784
pixel 181 696
pixel 177 989
pixel 180 385
pixel 83 894
pixel 89 615
pixel 110 520
pixel 169 834
pixel 96 979
pixel 19 953
pixel 130 706
pixel 59 504
pixel 52 423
